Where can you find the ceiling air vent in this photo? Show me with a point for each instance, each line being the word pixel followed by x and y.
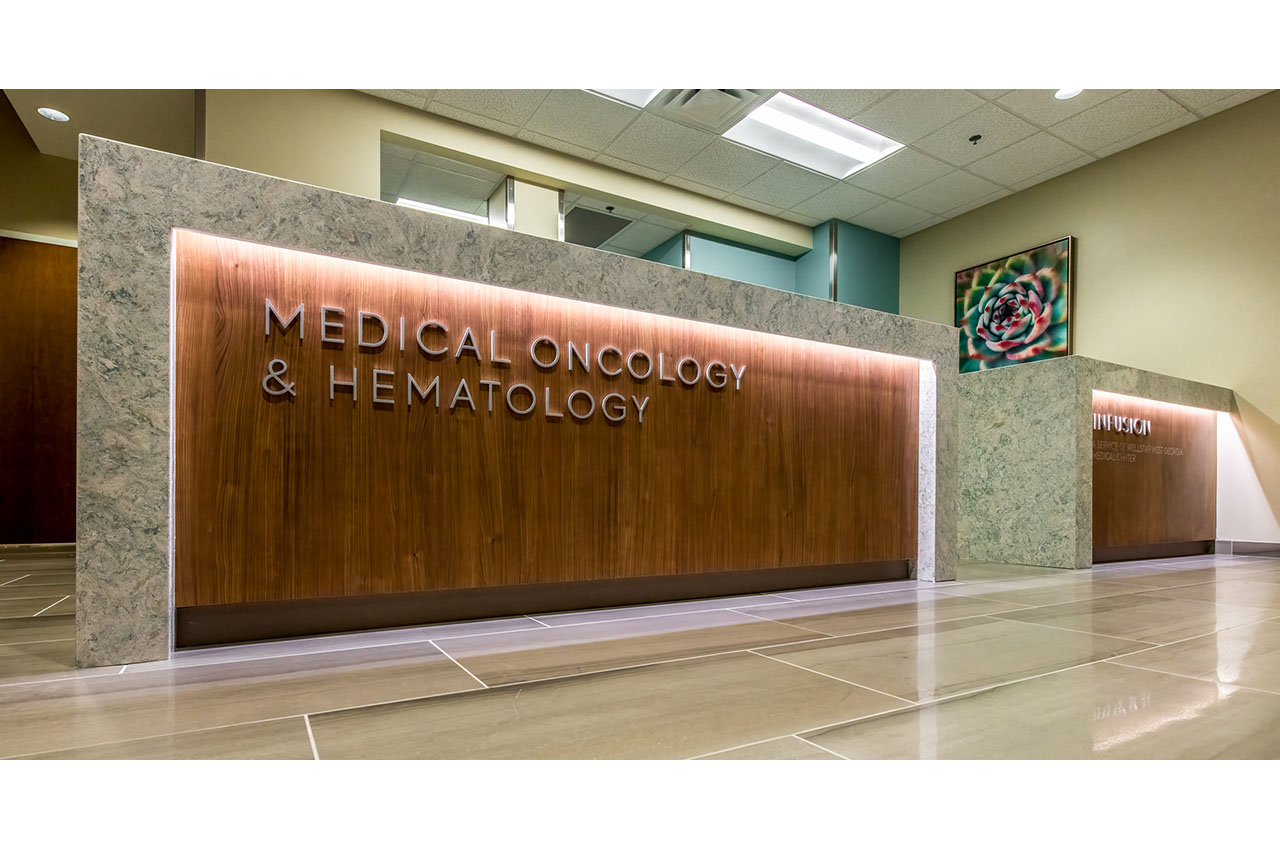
pixel 715 110
pixel 588 227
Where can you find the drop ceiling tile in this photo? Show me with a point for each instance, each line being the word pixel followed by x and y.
pixel 979 202
pixel 1146 135
pixel 466 169
pixel 916 228
pixel 658 144
pixel 890 217
pixel 1119 118
pixel 843 102
pixel 899 173
pixel 911 114
pixel 693 186
pixel 417 98
pixel 393 171
pixel 446 188
pixel 1039 106
pixel 840 201
pixel 466 117
pixel 785 185
pixel 806 220
pixel 510 106
pixel 556 145
pixel 581 118
pixel 602 205
pixel 998 129
pixel 1025 159
pixel 668 223
pixel 631 167
pixel 948 192
pixel 1197 99
pixel 1052 173
pixel 642 237
pixel 1228 102
pixel 725 165
pixel 752 204
pixel 990 94
pixel 608 246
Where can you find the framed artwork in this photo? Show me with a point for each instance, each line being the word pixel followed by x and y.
pixel 1016 309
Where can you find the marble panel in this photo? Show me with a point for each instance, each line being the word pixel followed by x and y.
pixel 132 198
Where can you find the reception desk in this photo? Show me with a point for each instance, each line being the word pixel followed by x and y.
pixel 302 411
pixel 1070 461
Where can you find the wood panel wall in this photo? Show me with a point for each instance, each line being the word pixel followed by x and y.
pixel 1156 488
pixel 812 462
pixel 38 389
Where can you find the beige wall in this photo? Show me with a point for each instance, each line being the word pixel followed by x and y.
pixel 332 139
pixel 37 192
pixel 1178 270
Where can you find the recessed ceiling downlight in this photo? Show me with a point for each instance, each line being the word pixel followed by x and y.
pixel 1066 94
pixel 53 114
pixel 802 133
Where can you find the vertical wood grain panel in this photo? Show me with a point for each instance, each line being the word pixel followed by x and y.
pixel 38 388
pixel 1159 487
pixel 812 462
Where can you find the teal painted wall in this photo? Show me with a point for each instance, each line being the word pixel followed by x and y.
pixel 738 262
pixel 670 253
pixel 866 268
pixel 813 270
pixel 866 264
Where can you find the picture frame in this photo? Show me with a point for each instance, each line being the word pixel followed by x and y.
pixel 1018 308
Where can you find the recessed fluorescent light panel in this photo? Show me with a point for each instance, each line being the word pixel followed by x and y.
pixel 806 135
pixel 638 98
pixel 465 216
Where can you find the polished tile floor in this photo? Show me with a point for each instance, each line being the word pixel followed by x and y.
pixel 1177 658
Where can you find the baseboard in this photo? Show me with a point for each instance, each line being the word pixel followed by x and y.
pixel 1244 547
pixel 37 548
pixel 1104 554
pixel 205 625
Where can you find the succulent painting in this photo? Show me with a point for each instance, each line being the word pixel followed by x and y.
pixel 1015 310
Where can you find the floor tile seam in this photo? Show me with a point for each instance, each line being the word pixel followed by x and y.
pixel 64 677
pixel 200 663
pixel 1028 607
pixel 916 625
pixel 315 754
pixel 836 678
pixel 1158 592
pixel 819 746
pixel 1211 633
pixel 644 616
pixel 20 598
pixel 739 747
pixel 897 709
pixel 933 703
pixel 1146 644
pixel 47 607
pixel 1206 679
pixel 482 683
pixel 116 742
pixel 249 722
pixel 780 623
pixel 786 598
pixel 27 642
pixel 525 683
